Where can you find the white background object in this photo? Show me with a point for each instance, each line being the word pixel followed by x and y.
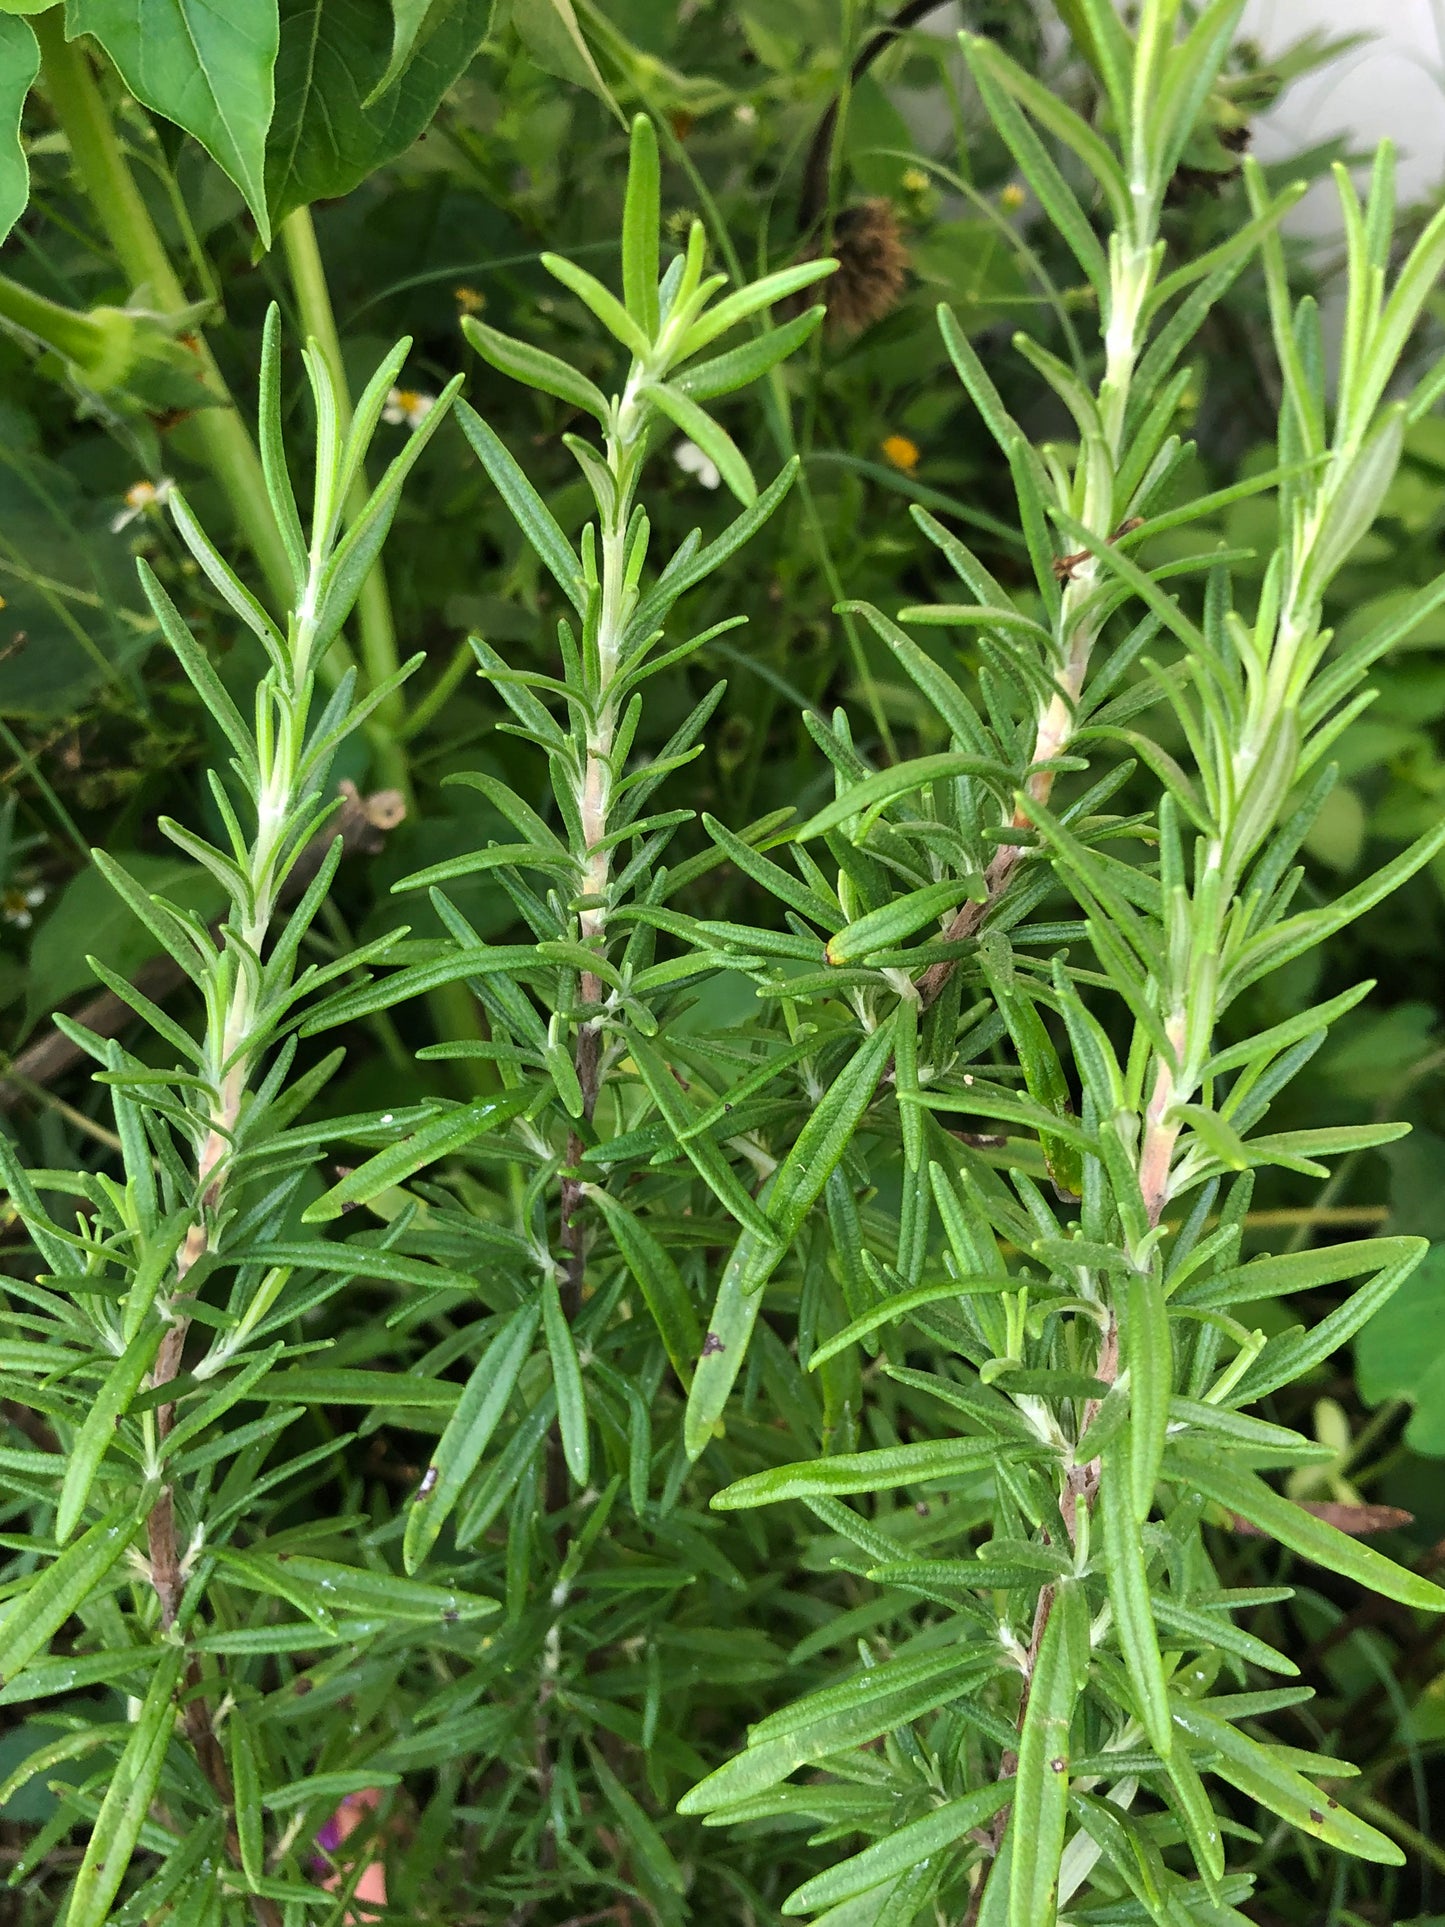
pixel 1393 86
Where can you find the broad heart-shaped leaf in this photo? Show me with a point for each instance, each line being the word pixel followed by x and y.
pixel 328 132
pixel 19 64
pixel 91 920
pixel 550 32
pixel 208 68
pixel 408 17
pixel 1400 1353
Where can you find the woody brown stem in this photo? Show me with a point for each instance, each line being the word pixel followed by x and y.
pixel 162 1540
pixel 1051 738
pixel 1081 1485
pixel 969 921
pixel 1157 1154
pixel 161 1537
pixel 165 1560
pixel 196 1716
pixel 999 874
pixel 211 1757
pixel 168 1580
pixel 588 1062
pixel 1161 1131
pixel 361 823
pixel 569 1295
pixel 992 1838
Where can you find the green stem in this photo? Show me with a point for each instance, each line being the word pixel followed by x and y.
pixel 453 1010
pixel 781 422
pixel 1390 1822
pixel 77 1120
pixel 442 690
pixel 96 152
pixel 227 448
pixel 373 606
pixel 37 776
pixel 72 334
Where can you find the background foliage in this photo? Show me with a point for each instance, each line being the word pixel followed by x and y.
pixel 442 150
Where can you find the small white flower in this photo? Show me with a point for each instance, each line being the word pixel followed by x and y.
pixel 407 405
pixel 691 460
pixel 16 904
pixel 139 497
pixel 745 113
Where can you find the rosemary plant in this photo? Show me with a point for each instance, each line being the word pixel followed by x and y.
pixel 1048 1721
pixel 925 1189
pixel 227 1608
pixel 145 1491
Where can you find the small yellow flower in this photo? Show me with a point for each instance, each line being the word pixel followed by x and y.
pixel 901 452
pixel 139 497
pixel 469 300
pixel 407 405
pixel 1012 198
pixel 915 181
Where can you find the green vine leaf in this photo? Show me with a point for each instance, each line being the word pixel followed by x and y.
pixel 209 69
pixel 335 123
pixel 19 64
pixel 550 32
pixel 408 17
